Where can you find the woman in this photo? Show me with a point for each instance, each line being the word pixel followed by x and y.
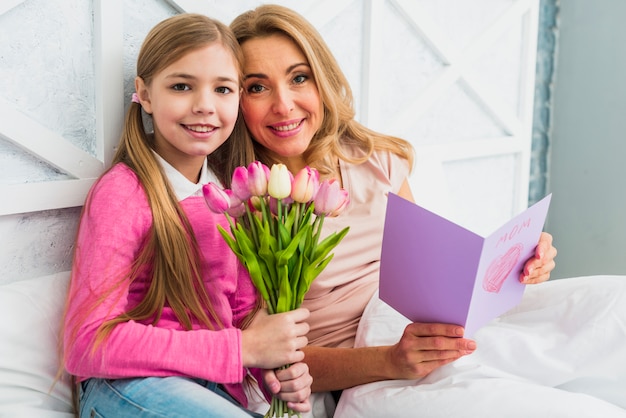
pixel 297 106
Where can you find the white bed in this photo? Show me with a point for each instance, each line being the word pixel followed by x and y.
pixel 564 343
pixel 560 353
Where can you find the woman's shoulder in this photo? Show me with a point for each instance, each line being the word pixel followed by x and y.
pixel 389 163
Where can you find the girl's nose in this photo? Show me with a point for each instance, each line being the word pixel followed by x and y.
pixel 204 102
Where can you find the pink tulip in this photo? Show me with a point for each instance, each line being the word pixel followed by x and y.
pixel 237 211
pixel 258 177
pixel 329 198
pixel 216 198
pixel 279 185
pixel 256 203
pixel 239 183
pixel 344 199
pixel 273 203
pixel 305 185
pixel 233 199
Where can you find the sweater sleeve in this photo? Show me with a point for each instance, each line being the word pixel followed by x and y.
pixel 114 225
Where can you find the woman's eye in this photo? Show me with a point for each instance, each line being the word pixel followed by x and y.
pixel 299 79
pixel 180 87
pixel 255 88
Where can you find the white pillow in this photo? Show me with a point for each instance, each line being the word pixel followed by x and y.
pixel 30 319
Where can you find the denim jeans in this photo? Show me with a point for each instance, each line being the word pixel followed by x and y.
pixel 157 397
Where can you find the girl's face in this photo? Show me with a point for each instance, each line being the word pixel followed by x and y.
pixel 194 104
pixel 280 103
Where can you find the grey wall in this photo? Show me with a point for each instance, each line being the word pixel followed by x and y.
pixel 587 169
pixel 547 39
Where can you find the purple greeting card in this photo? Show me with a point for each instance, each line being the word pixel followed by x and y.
pixel 433 270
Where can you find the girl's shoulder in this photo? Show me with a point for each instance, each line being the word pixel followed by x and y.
pixel 118 179
pixel 118 187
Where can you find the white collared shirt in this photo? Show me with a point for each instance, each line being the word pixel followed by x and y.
pixel 181 184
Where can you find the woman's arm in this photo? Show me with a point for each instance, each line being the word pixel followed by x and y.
pixel 421 349
pixel 538 268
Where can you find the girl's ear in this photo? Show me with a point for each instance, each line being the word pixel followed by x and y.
pixel 144 95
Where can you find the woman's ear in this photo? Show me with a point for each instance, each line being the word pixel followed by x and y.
pixel 144 95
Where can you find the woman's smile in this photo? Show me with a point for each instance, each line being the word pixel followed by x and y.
pixel 281 105
pixel 288 128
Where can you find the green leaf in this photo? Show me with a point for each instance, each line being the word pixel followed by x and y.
pixel 285 235
pixel 230 241
pixel 285 296
pixel 267 252
pixel 308 275
pixel 295 278
pixel 254 269
pixel 327 244
pixel 283 256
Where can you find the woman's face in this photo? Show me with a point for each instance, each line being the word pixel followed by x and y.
pixel 280 103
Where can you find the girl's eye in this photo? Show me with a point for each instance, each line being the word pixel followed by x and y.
pixel 300 78
pixel 255 88
pixel 223 90
pixel 180 87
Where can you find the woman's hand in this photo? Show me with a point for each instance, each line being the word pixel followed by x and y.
pixel 537 269
pixel 292 385
pixel 272 341
pixel 426 347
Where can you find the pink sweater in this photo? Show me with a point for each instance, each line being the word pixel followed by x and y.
pixel 114 225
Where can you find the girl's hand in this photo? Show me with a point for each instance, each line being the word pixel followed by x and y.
pixel 537 269
pixel 426 347
pixel 272 341
pixel 292 385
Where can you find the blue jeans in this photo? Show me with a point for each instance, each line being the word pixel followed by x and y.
pixel 157 397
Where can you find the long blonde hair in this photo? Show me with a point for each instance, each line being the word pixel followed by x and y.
pixel 171 248
pixel 339 126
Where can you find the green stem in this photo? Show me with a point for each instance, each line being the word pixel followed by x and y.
pixel 255 234
pixel 317 230
pixel 279 209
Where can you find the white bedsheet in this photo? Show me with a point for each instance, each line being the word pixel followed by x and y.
pixel 560 353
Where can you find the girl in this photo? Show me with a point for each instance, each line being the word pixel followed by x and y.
pixel 157 299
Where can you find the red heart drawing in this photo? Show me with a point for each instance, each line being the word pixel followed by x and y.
pixel 500 268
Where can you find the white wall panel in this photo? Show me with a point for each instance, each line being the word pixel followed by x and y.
pixel 453 77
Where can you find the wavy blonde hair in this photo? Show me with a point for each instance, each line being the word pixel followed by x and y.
pixel 171 248
pixel 339 126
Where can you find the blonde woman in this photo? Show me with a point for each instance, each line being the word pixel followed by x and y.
pixel 297 106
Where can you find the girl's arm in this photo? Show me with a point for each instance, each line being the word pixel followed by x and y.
pixel 113 227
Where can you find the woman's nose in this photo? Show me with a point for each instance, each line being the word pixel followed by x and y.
pixel 283 102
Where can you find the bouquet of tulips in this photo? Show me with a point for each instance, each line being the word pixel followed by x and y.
pixel 275 223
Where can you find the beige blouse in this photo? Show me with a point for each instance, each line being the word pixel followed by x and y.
pixel 338 296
